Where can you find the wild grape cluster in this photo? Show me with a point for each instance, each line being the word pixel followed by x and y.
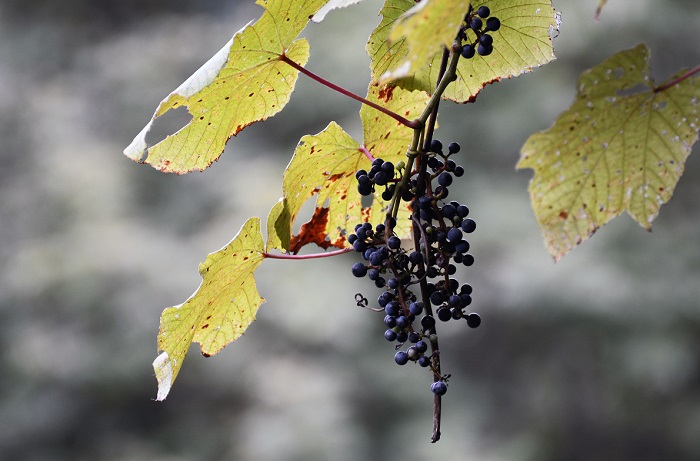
pixel 419 283
pixel 478 24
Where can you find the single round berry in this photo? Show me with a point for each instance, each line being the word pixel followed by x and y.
pixel 413 337
pixel 473 320
pixel 360 173
pixel 393 283
pixel 352 238
pixel 401 357
pixel 462 211
pixel 484 50
pixel 468 226
pixel 392 308
pixel 435 146
pixel 416 308
pixel 439 388
pixel 401 322
pixel 454 235
pixel 421 346
pixel 444 314
pixel 493 24
pixel 427 322
pixel 364 189
pixel 390 335
pixel 483 12
pixel 423 361
pixel 381 178
pixel 394 242
pixel 359 270
pixel 476 24
pixel 437 298
pixel 453 147
pixel 468 260
pixel 401 336
pixel 486 40
pixel 445 179
pixel 359 245
pixel 459 171
pixel 390 321
pixel 468 51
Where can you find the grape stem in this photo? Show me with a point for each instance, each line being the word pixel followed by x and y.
pixel 414 124
pixel 327 254
pixel 677 80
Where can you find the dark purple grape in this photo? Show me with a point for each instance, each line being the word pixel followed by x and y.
pixel 394 242
pixel 390 321
pixel 454 235
pixel 444 179
pixel 473 320
pixel 483 12
pixel 444 314
pixel 427 322
pixel 421 346
pixel 401 358
pixel 453 148
pixel 484 50
pixel 486 40
pixel 468 51
pixel 476 24
pixel 390 335
pixel 416 308
pixel 439 388
pixel 423 361
pixel 359 270
pixel 493 24
pixel 468 226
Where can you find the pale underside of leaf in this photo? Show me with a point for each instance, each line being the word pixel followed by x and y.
pixel 523 42
pixel 330 6
pixel 620 147
pixel 219 311
pixel 245 82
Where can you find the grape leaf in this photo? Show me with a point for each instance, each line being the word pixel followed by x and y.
pixel 523 41
pixel 219 311
pixel 325 165
pixel 621 146
pixel 426 29
pixel 245 82
pixel 332 5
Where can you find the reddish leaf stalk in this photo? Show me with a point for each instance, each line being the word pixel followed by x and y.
pixel 327 254
pixel 677 80
pixel 404 121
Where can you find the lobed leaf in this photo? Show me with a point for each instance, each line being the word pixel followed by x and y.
pixel 219 311
pixel 524 41
pixel 426 29
pixel 245 82
pixel 621 146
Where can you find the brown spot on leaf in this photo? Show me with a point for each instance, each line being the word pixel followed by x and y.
pixel 313 231
pixel 386 93
pixel 205 326
pixel 563 214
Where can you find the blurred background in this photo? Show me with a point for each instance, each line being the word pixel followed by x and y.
pixel 596 357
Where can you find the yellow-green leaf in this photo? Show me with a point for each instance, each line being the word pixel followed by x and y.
pixel 219 311
pixel 243 83
pixel 524 41
pixel 425 29
pixel 621 146
pixel 324 165
pixel 279 230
